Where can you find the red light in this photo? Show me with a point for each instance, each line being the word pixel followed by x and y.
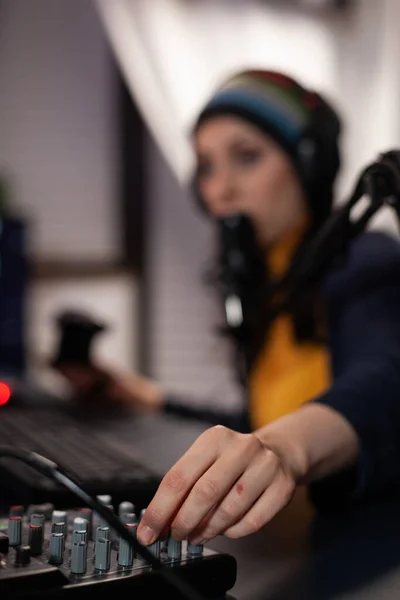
pixel 5 393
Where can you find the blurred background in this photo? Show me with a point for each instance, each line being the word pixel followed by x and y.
pixel 97 98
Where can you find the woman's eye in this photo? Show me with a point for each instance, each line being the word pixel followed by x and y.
pixel 249 157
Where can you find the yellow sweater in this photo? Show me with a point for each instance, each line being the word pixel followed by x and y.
pixel 286 373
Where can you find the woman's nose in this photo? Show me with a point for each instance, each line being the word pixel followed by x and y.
pixel 223 191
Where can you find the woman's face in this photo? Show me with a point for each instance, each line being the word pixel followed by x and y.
pixel 240 169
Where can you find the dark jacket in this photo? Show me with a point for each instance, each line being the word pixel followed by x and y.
pixel 363 305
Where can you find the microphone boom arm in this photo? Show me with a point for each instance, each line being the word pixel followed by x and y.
pixel 380 182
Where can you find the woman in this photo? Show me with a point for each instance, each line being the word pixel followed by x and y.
pixel 324 382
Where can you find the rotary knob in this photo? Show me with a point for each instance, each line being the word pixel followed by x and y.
pixel 80 524
pixel 38 519
pixel 104 499
pixel 15 530
pixel 103 555
pixel 174 548
pixel 103 522
pixel 128 518
pixel 194 550
pixel 126 552
pixel 79 536
pixel 102 532
pixel 35 539
pixel 59 528
pixel 59 516
pixel 155 548
pixel 23 555
pixel 87 514
pixel 56 548
pixel 16 511
pixel 78 557
pixel 125 507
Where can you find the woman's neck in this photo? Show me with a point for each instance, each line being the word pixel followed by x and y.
pixel 280 254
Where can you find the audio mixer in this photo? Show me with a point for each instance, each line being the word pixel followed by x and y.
pixel 49 553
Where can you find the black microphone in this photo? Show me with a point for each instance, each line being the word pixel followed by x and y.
pixel 76 334
pixel 241 267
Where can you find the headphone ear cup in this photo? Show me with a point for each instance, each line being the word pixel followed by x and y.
pixel 308 154
pixel 318 153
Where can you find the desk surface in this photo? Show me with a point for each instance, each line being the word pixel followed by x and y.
pixel 300 554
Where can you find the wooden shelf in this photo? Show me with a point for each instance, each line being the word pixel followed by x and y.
pixel 82 269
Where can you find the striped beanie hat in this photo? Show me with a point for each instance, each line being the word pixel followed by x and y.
pixel 299 120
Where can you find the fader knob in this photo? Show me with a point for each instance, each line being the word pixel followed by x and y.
pixel 23 555
pixel 174 548
pixel 103 555
pixel 35 539
pixel 4 543
pixel 14 530
pixel 126 507
pixel 78 557
pixel 56 548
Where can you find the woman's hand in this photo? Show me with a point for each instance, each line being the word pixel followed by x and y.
pixel 227 482
pixel 92 382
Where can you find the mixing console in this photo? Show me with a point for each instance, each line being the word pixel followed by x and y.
pixel 50 553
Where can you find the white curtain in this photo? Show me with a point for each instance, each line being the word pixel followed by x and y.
pixel 174 52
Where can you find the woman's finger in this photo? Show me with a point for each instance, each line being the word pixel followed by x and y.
pixel 272 501
pixel 243 494
pixel 176 485
pixel 215 484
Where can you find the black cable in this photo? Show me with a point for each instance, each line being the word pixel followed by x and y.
pixel 53 471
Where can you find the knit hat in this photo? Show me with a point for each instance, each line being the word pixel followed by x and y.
pixel 299 120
